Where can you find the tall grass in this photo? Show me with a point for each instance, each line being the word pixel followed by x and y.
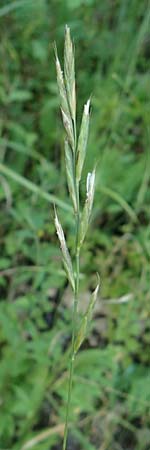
pixel 75 153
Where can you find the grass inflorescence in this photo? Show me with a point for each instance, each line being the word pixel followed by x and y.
pixel 75 153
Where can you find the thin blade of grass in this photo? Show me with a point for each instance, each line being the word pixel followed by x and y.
pixel 33 187
pixel 23 149
pixel 58 429
pixel 122 202
pixel 12 6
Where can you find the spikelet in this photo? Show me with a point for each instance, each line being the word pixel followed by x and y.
pixel 82 141
pixel 70 174
pixel 61 85
pixel 69 72
pixel 65 252
pixel 85 322
pixel 64 105
pixel 86 214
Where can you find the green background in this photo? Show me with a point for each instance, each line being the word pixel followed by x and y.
pixel 111 391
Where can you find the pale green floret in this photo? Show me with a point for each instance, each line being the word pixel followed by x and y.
pixel 64 102
pixel 69 128
pixel 70 174
pixel 61 86
pixel 90 189
pixel 82 141
pixel 86 213
pixel 87 107
pixel 69 72
pixel 82 332
pixel 65 252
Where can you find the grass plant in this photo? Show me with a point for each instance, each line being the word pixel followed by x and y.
pixel 110 404
pixel 75 153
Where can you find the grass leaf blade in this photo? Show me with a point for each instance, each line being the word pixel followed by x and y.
pixel 33 187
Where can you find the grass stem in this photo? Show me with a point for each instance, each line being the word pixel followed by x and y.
pixel 74 318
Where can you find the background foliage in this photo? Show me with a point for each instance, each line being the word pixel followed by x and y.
pixel 111 396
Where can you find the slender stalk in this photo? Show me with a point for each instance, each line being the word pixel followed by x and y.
pixel 68 402
pixel 74 320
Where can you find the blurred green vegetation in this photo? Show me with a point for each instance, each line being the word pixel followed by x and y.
pixel 111 394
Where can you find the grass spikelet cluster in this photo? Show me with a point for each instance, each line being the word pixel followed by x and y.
pixel 75 153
